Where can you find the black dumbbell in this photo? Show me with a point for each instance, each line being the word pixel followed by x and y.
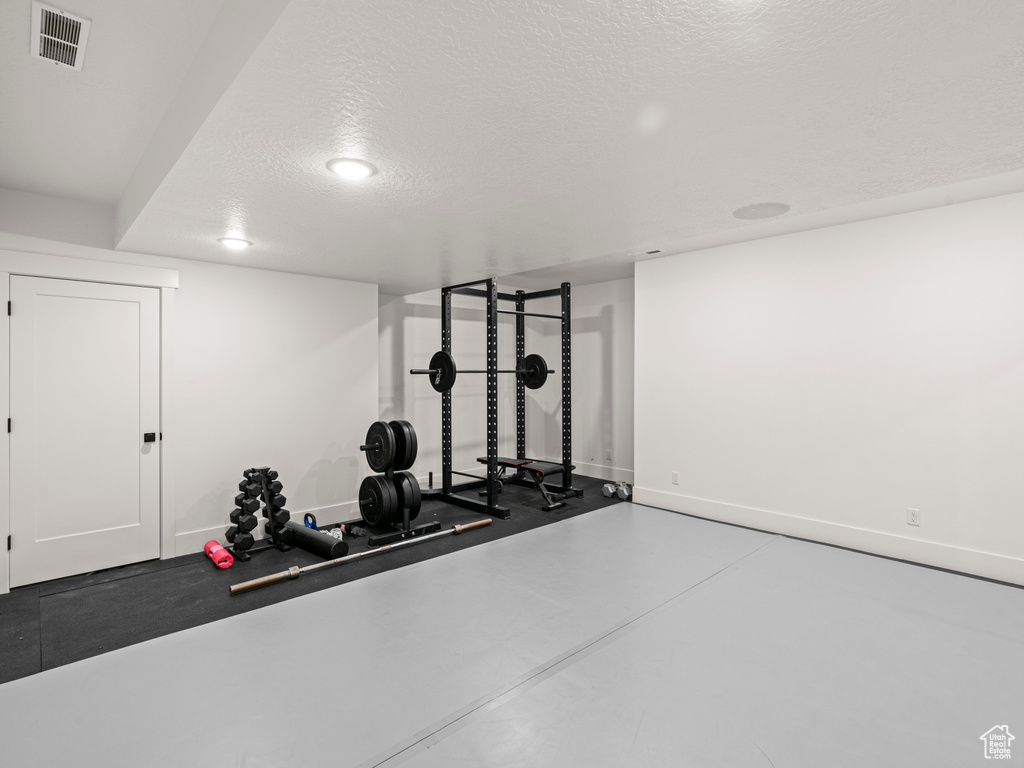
pixel 231 532
pixel 246 522
pixel 250 489
pixel 246 503
pixel 271 474
pixel 275 486
pixel 243 541
pixel 280 516
pixel 278 501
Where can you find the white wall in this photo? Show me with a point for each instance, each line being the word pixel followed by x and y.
pixel 602 321
pixel 268 369
pixel 43 216
pixel 410 332
pixel 272 369
pixel 820 384
pixel 602 380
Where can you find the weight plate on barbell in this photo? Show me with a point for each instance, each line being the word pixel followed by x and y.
pixel 406 444
pixel 443 365
pixel 407 490
pixel 535 372
pixel 377 500
pixel 380 439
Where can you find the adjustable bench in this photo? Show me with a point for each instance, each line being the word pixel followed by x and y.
pixel 536 471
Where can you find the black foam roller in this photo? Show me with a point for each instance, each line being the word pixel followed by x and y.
pixel 316 543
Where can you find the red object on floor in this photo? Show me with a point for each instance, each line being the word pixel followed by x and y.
pixel 220 556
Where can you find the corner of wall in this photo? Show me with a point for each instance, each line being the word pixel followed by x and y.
pixel 5 442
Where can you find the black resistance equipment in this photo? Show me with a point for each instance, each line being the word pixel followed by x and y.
pixel 258 483
pixel 390 445
pixel 531 373
pixel 392 500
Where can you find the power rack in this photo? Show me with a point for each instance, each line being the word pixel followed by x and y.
pixel 487 290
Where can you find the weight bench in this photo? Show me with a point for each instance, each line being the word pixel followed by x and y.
pixel 537 472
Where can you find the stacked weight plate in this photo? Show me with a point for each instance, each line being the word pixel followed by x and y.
pixel 390 448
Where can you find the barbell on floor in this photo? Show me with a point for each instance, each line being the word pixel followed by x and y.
pixel 442 371
pixel 295 571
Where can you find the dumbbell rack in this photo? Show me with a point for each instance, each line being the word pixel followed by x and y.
pixel 258 483
pixel 391 447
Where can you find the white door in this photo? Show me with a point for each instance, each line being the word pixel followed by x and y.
pixel 85 388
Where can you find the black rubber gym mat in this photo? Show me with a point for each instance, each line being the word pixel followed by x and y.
pixel 82 616
pixel 19 634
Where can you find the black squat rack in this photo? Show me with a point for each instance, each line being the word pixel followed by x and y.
pixel 487 289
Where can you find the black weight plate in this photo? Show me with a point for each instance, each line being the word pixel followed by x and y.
pixel 536 372
pixel 444 364
pixel 406 444
pixel 408 492
pixel 381 438
pixel 377 500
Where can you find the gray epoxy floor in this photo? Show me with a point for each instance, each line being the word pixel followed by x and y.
pixel 629 636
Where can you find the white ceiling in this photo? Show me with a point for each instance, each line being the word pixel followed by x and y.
pixel 559 139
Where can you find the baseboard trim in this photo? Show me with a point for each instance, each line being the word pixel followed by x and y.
pixel 188 542
pixel 985 564
pixel 603 472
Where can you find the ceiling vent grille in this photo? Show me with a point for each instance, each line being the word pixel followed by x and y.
pixel 58 36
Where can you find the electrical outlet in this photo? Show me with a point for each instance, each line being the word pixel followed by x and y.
pixel 913 516
pixel 675 478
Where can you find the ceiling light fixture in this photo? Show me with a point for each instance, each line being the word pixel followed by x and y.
pixel 351 170
pixel 761 211
pixel 234 243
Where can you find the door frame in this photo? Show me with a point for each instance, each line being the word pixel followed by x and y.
pixel 87 270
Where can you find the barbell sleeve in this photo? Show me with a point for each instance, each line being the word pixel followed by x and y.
pixel 262 581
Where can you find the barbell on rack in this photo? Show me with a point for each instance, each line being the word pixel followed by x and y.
pixel 442 371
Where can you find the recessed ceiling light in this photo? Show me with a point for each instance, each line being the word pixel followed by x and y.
pixel 351 170
pixel 761 211
pixel 235 243
pixel 494 271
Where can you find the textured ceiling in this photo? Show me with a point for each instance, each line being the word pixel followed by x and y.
pixel 559 138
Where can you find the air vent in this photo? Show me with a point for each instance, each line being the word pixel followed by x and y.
pixel 58 36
